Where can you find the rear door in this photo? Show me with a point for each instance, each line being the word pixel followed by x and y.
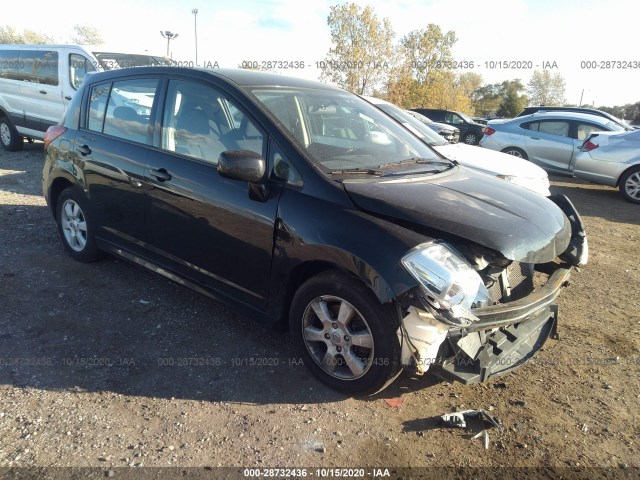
pixel 549 143
pixel 203 226
pixel 113 143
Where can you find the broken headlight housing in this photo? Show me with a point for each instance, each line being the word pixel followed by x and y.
pixel 448 283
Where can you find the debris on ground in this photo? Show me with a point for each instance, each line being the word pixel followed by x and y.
pixel 394 402
pixel 459 419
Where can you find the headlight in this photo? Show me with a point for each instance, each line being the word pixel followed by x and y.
pixel 448 280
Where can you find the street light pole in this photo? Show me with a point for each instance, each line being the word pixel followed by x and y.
pixel 169 36
pixel 195 30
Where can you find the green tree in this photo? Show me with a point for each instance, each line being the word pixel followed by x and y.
pixel 426 51
pixel 86 35
pixel 9 34
pixel 513 102
pixel 546 89
pixel 362 48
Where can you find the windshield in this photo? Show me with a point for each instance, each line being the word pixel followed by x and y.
pixel 615 127
pixel 466 118
pixel 111 60
pixel 420 117
pixel 414 125
pixel 340 131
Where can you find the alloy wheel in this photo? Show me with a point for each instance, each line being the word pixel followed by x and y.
pixel 632 186
pixel 338 337
pixel 74 225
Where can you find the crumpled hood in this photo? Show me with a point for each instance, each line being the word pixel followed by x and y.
pixel 490 161
pixel 520 224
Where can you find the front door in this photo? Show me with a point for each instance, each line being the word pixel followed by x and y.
pixel 205 227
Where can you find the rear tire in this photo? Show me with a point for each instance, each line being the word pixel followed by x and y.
pixel 76 226
pixel 345 336
pixel 516 152
pixel 630 185
pixel 10 139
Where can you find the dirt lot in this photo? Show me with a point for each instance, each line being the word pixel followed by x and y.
pixel 109 365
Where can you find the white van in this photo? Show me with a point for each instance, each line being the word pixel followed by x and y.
pixel 37 82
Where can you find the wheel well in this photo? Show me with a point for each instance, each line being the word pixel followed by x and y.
pixel 632 167
pixel 57 187
pixel 297 277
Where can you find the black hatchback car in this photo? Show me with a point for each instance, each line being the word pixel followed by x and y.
pixel 309 209
pixel 471 132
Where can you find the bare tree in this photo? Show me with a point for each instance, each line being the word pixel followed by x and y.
pixel 86 35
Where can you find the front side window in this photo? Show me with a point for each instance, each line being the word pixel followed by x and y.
pixel 583 130
pixel 339 130
pixel 79 66
pixel 201 122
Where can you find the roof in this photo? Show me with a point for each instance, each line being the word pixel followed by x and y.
pixel 561 114
pixel 240 77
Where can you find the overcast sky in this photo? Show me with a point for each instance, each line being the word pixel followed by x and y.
pixel 565 32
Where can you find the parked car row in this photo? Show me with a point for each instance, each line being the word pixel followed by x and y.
pixel 307 207
pixel 588 146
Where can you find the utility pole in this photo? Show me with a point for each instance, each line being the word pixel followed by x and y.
pixel 195 30
pixel 169 36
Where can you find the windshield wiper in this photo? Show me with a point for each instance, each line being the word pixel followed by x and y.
pixel 417 160
pixel 365 171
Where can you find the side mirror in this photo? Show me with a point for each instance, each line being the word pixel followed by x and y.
pixel 243 165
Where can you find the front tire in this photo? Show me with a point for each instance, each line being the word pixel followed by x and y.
pixel 10 139
pixel 345 336
pixel 75 225
pixel 630 185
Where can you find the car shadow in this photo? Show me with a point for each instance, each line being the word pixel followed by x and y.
pixel 111 326
pixel 596 200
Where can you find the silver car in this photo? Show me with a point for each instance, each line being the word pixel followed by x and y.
pixel 549 139
pixel 612 159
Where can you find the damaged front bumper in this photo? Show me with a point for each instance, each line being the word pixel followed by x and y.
pixel 505 336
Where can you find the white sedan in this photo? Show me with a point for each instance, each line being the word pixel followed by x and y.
pixel 507 167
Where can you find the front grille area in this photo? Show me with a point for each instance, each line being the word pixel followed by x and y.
pixel 518 281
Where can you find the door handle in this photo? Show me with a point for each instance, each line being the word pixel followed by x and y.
pixel 534 138
pixel 67 97
pixel 84 150
pixel 161 174
pixel 44 92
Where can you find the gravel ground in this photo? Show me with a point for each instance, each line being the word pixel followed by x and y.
pixel 109 365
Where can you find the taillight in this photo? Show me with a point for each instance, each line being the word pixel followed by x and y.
pixel 489 131
pixel 588 146
pixel 52 133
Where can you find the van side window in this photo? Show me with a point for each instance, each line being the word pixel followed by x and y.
pixel 97 106
pixel 39 67
pixel 10 64
pixel 129 110
pixel 79 66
